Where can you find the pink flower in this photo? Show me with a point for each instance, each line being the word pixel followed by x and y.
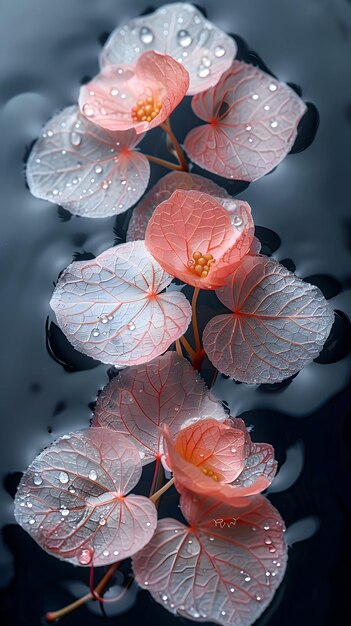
pixel 198 238
pixel 218 459
pixel 139 96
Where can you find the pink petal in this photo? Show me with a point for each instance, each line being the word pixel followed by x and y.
pixel 111 307
pixel 260 466
pixel 192 221
pixel 71 499
pixel 225 567
pixel 162 191
pixel 280 323
pixel 255 133
pixel 210 445
pixel 205 50
pixel 109 98
pixel 87 170
pixel 143 398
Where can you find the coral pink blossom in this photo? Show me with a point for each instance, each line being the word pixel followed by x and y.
pixel 139 96
pixel 180 30
pixel 251 124
pixel 219 458
pixel 198 238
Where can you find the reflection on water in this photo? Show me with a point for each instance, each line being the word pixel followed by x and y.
pixel 301 209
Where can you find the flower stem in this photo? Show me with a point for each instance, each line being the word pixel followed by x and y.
pixel 194 320
pixel 155 476
pixel 180 154
pixel 52 616
pixel 178 348
pixel 214 378
pixel 161 491
pixel 187 346
pixel 164 163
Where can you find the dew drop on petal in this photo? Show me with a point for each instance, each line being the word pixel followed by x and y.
pixel 114 91
pixel 85 557
pixel 184 38
pixel 88 110
pixel 219 51
pixel 272 87
pixel 115 552
pixel 63 477
pixel 92 474
pixel 76 139
pixel 146 35
pixel 64 512
pixel 102 521
pixel 202 71
pixel 98 169
pixel 105 553
pixel 95 332
pixel 37 480
pixel 131 326
pixel 31 521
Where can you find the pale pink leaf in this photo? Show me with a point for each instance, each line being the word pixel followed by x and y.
pixel 225 567
pixel 88 170
pixel 72 499
pixel 143 398
pixel 112 309
pixel 254 132
pixel 190 222
pixel 278 325
pixel 109 99
pixel 163 191
pixel 180 30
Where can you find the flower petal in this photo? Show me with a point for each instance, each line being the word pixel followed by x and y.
pixel 71 499
pixel 210 445
pixel 256 131
pixel 143 398
pixel 109 98
pixel 192 221
pixel 162 191
pixel 259 465
pixel 111 307
pixel 280 323
pixel 87 170
pixel 225 567
pixel 181 31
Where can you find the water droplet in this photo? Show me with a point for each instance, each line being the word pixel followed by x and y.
pixel 55 192
pixel 123 181
pixel 92 474
pixel 267 542
pixel 273 87
pixel 131 326
pixel 206 61
pixel 148 524
pixel 274 124
pixel 184 38
pixel 50 133
pixel 98 169
pixel 248 127
pixel 37 480
pixel 211 538
pixel 63 477
pixel 88 110
pixel 85 557
pixel 266 107
pixel 110 318
pixel 223 613
pixel 247 578
pixel 272 549
pixel 115 552
pixel 266 527
pixel 164 598
pixel 114 91
pixel 103 319
pixel 105 184
pixel 37 160
pixel 258 597
pixel 102 521
pixel 95 332
pixel 190 541
pixel 255 96
pixel 64 512
pixel 219 51
pixel 72 490
pixel 202 71
pixel 146 35
pixel 250 139
pixel 31 521
pixel 232 589
pixel 123 96
pixel 76 138
pixel 105 553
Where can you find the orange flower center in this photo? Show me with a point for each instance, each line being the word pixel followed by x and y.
pixel 200 264
pixel 146 110
pixel 210 473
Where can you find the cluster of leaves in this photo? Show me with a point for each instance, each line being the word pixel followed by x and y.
pixel 119 308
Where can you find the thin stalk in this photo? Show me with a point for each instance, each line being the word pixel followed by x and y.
pixel 194 320
pixel 155 476
pixel 164 163
pixel 52 616
pixel 178 348
pixel 187 346
pixel 161 491
pixel 180 154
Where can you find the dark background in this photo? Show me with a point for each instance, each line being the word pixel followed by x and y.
pixel 47 48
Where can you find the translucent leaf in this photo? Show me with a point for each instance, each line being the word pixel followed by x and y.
pixel 251 125
pixel 72 499
pixel 225 567
pixel 162 191
pixel 190 222
pixel 109 99
pixel 143 398
pixel 219 459
pixel 89 171
pixel 278 325
pixel 181 31
pixel 112 308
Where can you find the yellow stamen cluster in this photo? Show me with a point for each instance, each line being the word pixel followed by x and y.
pixel 146 110
pixel 200 264
pixel 209 473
